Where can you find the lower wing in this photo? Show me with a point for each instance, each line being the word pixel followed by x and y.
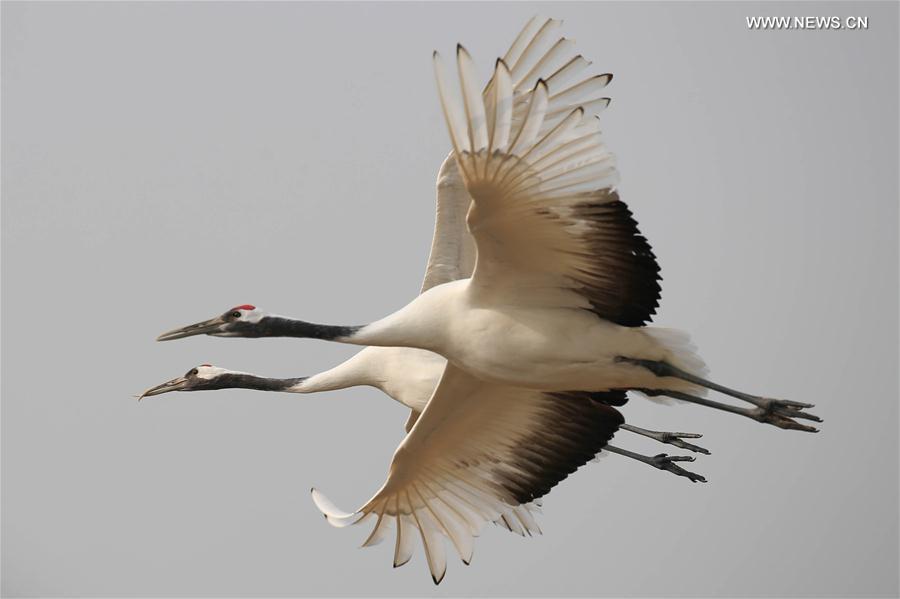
pixel 478 453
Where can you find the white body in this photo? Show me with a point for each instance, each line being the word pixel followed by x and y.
pixel 549 349
pixel 407 375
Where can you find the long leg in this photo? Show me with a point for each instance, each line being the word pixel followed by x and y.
pixel 782 417
pixel 668 438
pixel 661 461
pixel 778 412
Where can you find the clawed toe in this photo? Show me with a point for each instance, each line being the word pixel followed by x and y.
pixel 662 457
pixel 804 416
pixel 782 413
pixel 785 421
pixel 667 462
pixel 793 425
pixel 784 406
pixel 676 440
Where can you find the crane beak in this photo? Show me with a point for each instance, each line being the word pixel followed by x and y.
pixel 201 328
pixel 176 384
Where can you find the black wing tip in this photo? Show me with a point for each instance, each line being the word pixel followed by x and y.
pixel 437 579
pixel 641 275
pixel 586 428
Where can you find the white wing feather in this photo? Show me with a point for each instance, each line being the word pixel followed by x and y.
pixel 545 213
pixel 452 254
pixel 478 453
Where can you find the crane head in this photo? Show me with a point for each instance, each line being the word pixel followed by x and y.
pixel 240 321
pixel 207 377
pixel 199 378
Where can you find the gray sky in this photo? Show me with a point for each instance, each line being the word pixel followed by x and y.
pixel 163 162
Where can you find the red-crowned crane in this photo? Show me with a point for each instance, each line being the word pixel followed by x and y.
pixel 560 296
pixel 564 283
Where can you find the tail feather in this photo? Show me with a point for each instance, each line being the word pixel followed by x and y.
pixel 679 351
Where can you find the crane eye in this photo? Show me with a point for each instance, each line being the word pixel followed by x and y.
pixel 235 314
pixel 192 372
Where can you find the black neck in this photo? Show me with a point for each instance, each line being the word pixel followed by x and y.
pixel 278 326
pixel 250 381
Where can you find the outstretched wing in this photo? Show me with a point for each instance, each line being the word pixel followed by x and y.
pixel 478 453
pixel 452 254
pixel 547 221
pixel 538 54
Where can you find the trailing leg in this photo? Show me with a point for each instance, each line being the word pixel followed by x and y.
pixel 668 438
pixel 782 417
pixel 778 412
pixel 661 461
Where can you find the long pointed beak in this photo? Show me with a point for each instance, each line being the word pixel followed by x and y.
pixel 201 328
pixel 176 384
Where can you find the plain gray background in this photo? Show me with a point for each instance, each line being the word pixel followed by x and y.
pixel 163 162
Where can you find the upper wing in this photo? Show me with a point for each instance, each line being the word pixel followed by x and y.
pixel 452 254
pixel 548 224
pixel 478 453
pixel 537 54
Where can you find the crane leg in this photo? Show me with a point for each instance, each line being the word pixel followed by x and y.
pixel 661 461
pixel 778 412
pixel 668 438
pixel 778 415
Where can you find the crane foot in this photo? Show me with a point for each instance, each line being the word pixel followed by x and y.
pixel 666 462
pixel 782 413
